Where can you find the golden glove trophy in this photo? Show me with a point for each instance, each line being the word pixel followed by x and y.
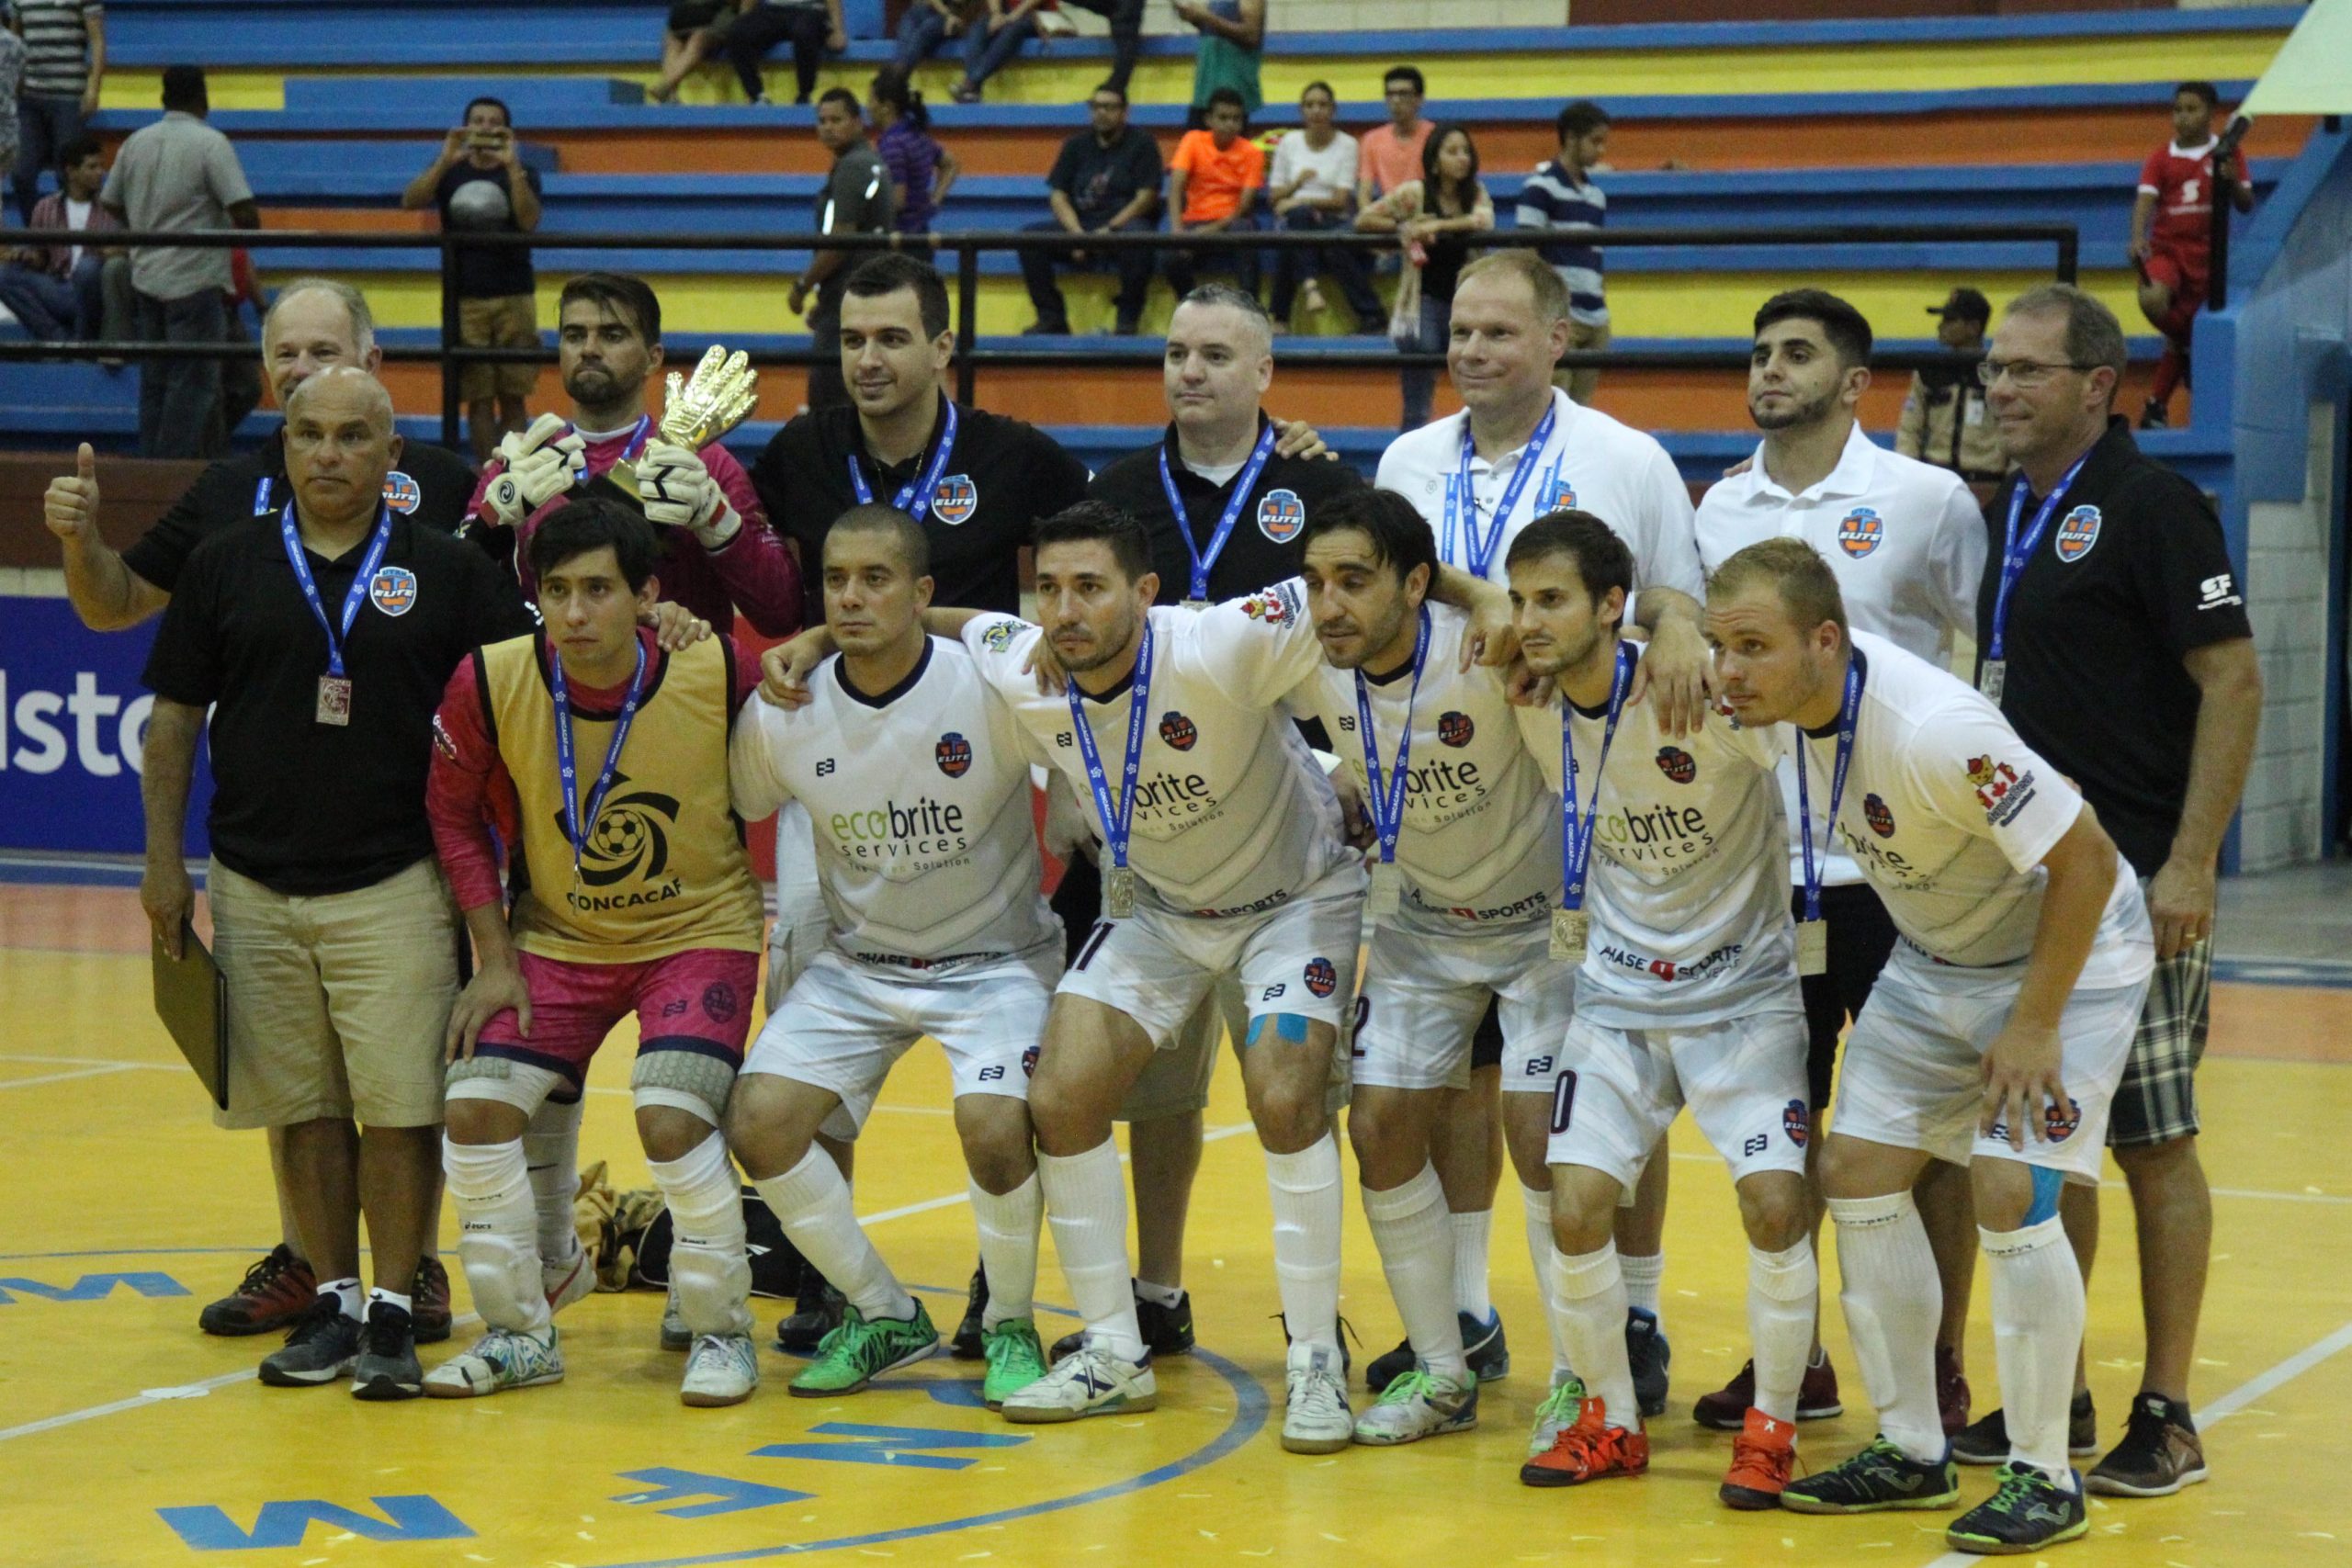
pixel 700 409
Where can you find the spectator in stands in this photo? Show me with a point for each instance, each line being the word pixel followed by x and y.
pixel 1312 187
pixel 1562 193
pixel 65 64
pixel 179 172
pixel 1434 217
pixel 1126 17
pixel 696 30
pixel 1103 180
pixel 927 24
pixel 2172 234
pixel 1233 42
pixel 85 286
pixel 12 81
pixel 922 171
pixel 1391 154
pixel 479 184
pixel 1212 186
pixel 854 200
pixel 991 39
pixel 814 27
pixel 1944 419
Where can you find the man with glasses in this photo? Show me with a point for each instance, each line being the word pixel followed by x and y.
pixel 1103 180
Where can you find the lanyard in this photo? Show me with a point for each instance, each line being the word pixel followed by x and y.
pixel 1480 552
pixel 1388 803
pixel 1242 485
pixel 2016 552
pixel 351 600
pixel 635 447
pixel 1850 714
pixel 1579 829
pixel 914 499
pixel 567 768
pixel 1116 819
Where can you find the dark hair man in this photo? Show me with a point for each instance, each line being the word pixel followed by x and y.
pixel 855 200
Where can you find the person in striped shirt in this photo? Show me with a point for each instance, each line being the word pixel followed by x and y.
pixel 1561 193
pixel 65 62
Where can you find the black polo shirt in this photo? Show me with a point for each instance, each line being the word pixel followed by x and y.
pixel 430 485
pixel 1263 547
pixel 1000 479
pixel 301 806
pixel 2131 575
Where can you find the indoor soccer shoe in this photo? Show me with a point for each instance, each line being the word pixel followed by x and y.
pixel 1881 1476
pixel 387 1367
pixel 2029 1512
pixel 1484 1347
pixel 675 1335
pixel 1591 1449
pixel 1166 1331
pixel 1988 1441
pixel 274 1294
pixel 1726 1410
pixel 1090 1381
pixel 431 1319
pixel 970 1343
pixel 2159 1454
pixel 721 1369
pixel 1556 1415
pixel 1649 1353
pixel 1015 1359
pixel 864 1348
pixel 1316 1417
pixel 815 1313
pixel 1762 1458
pixel 322 1346
pixel 1418 1405
pixel 500 1360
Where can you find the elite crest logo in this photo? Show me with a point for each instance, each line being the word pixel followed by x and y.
pixel 1860 531
pixel 1677 764
pixel 953 755
pixel 1455 728
pixel 1563 497
pixel 954 499
pixel 1992 780
pixel 1029 1061
pixel 1177 731
pixel 1280 515
pixel 1881 819
pixel 2077 532
pixel 719 1002
pixel 402 493
pixel 999 635
pixel 1322 978
pixel 392 590
pixel 1797 1123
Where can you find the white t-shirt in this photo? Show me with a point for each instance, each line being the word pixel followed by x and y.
pixel 1904 540
pixel 1232 815
pixel 920 798
pixel 1951 814
pixel 1481 839
pixel 1689 907
pixel 1331 172
pixel 77 217
pixel 1590 462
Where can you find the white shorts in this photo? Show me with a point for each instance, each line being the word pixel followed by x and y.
pixel 1744 1079
pixel 1298 958
pixel 844 1023
pixel 1424 994
pixel 1914 1060
pixel 803 926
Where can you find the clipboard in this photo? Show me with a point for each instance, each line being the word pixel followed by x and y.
pixel 192 998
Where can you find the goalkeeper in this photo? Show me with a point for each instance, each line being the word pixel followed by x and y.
pixel 717 553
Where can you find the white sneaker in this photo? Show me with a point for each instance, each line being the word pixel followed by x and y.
pixel 1556 1414
pixel 1092 1382
pixel 500 1360
pixel 675 1335
pixel 1317 1420
pixel 1420 1405
pixel 723 1369
pixel 567 1282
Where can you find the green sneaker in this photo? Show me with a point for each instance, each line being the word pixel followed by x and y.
pixel 1418 1405
pixel 1881 1476
pixel 2027 1512
pixel 859 1351
pixel 1015 1359
pixel 1556 1415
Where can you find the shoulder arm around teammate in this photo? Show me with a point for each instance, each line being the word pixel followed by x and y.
pixel 459 789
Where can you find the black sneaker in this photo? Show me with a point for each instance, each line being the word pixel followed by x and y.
pixel 966 1345
pixel 1646 1349
pixel 1484 1346
pixel 2159 1454
pixel 2029 1512
pixel 1986 1442
pixel 387 1367
pixel 1166 1331
pixel 1045 329
pixel 1881 1476
pixel 321 1349
pixel 818 1312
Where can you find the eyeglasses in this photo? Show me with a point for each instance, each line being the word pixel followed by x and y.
pixel 2024 372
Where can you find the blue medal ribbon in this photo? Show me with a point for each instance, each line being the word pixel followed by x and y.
pixel 635 447
pixel 1388 802
pixel 914 497
pixel 1850 714
pixel 292 535
pixel 567 768
pixel 1579 829
pixel 1479 551
pixel 1242 484
pixel 1116 819
pixel 2016 552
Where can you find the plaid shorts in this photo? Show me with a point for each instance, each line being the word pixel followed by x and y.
pixel 2157 1101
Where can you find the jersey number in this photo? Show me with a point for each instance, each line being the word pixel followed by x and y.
pixel 1564 1100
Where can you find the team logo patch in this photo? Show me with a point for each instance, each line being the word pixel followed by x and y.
pixel 954 499
pixel 441 741
pixel 2077 532
pixel 1455 728
pixel 1029 1062
pixel 1177 730
pixel 1992 780
pixel 719 999
pixel 1677 764
pixel 1280 515
pixel 999 635
pixel 2057 1125
pixel 1321 977
pixel 1860 531
pixel 953 755
pixel 392 590
pixel 630 838
pixel 1881 819
pixel 1563 497
pixel 402 493
pixel 1797 1122
pixel 1276 607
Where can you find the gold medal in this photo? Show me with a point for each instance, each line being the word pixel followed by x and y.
pixel 1119 894
pixel 1387 892
pixel 1812 947
pixel 1570 930
pixel 335 700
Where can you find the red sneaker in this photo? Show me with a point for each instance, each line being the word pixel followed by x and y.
pixel 1589 1451
pixel 1762 1458
pixel 429 1318
pixel 1726 1410
pixel 277 1292
pixel 1951 1392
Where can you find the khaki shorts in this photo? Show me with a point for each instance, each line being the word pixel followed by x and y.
pixel 337 1003
pixel 1581 384
pixel 509 321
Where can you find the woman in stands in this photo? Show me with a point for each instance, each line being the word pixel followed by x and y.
pixel 921 169
pixel 694 32
pixel 1312 185
pixel 1434 218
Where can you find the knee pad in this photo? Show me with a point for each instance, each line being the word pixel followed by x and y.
pixel 708 1267
pixel 522 1085
pixel 685 1080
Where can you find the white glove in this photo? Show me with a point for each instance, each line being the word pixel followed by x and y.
pixel 540 463
pixel 677 491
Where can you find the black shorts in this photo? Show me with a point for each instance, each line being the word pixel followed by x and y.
pixel 691 16
pixel 1860 938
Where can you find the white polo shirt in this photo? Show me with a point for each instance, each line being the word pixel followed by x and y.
pixel 1590 462
pixel 1904 540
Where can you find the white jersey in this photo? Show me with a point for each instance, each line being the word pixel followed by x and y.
pixel 1950 815
pixel 1589 462
pixel 1904 540
pixel 926 848
pixel 1232 815
pixel 1688 901
pixel 1481 840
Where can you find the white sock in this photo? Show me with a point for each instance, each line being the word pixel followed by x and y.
pixel 1306 1192
pixel 1009 1222
pixel 1535 1204
pixel 1409 1226
pixel 1470 1234
pixel 1893 1301
pixel 2037 1328
pixel 811 1202
pixel 1086 1202
pixel 1784 1292
pixel 1588 1301
pixel 551 1150
pixel 347 1292
pixel 389 1298
pixel 489 1185
pixel 1169 1296
pixel 710 1272
pixel 1643 1273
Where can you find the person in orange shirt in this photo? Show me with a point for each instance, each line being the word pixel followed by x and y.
pixel 1213 185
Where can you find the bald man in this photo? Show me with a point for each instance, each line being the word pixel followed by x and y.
pixel 330 917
